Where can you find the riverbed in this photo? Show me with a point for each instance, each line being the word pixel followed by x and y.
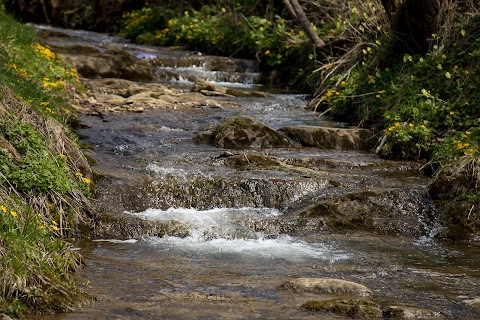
pixel 231 233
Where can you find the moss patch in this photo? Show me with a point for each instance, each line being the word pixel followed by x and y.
pixel 354 308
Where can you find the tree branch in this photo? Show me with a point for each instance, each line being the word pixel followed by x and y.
pixel 296 11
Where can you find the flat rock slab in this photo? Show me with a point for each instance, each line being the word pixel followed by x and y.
pixel 332 138
pixel 473 302
pixel 327 286
pixel 404 312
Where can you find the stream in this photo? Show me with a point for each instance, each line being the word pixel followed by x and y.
pixel 201 232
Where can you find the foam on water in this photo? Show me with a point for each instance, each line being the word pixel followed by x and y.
pixel 282 247
pixel 223 231
pixel 117 240
pixel 164 171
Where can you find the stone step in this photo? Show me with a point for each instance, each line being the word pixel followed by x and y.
pixel 332 138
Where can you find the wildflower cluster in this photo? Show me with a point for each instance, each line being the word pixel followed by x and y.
pixel 3 209
pixel 49 84
pixel 465 143
pixel 20 71
pixel 45 52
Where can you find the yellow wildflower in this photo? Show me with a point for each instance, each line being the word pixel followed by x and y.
pixel 267 52
pixel 62 156
pixel 448 75
pixel 410 125
pixel 426 93
pixel 469 152
pixel 13 213
pixel 54 227
pixel 439 66
pixel 41 227
pixel 452 113
pixel 86 180
pixel 468 133
pixel 3 208
pixel 78 174
pixel 44 51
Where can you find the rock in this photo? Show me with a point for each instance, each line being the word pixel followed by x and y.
pixel 353 308
pixel 210 89
pixel 112 64
pixel 247 132
pixel 332 138
pixel 386 211
pixel 404 312
pixel 244 161
pixel 473 302
pixel 109 98
pixel 327 286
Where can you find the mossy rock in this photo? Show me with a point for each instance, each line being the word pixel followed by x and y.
pixel 403 211
pixel 354 308
pixel 247 132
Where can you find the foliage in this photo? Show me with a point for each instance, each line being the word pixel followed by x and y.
pixel 36 266
pixel 428 106
pixel 273 40
pixel 41 187
pixel 217 31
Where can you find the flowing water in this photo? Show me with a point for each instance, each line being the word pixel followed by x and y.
pixel 230 237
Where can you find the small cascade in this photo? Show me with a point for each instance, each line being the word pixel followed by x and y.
pixel 245 231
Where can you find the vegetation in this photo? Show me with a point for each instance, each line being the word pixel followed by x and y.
pixel 426 104
pixel 43 177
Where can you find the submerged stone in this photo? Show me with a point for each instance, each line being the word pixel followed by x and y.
pixel 327 285
pixel 353 308
pixel 404 312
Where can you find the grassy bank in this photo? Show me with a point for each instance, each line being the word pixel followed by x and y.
pixel 43 177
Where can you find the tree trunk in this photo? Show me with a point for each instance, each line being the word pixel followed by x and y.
pixel 413 24
pixel 390 8
pixel 296 11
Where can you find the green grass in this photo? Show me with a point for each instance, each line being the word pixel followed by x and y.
pixel 41 185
